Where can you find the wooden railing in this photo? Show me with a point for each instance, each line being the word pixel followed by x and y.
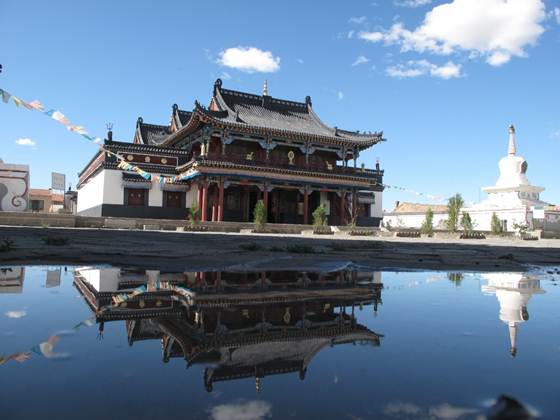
pixel 255 159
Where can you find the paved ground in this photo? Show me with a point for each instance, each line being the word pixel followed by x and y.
pixel 218 251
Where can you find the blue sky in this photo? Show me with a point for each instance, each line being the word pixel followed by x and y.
pixel 442 79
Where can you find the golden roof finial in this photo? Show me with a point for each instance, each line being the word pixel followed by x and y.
pixel 265 88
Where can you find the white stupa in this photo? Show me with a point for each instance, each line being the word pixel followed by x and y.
pixel 513 291
pixel 513 187
pixel 513 198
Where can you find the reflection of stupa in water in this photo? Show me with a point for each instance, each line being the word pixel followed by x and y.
pixel 11 279
pixel 239 325
pixel 513 290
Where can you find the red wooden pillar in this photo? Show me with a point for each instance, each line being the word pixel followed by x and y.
pixel 354 205
pixel 343 208
pixel 199 203
pixel 214 205
pixel 204 208
pixel 305 206
pixel 221 201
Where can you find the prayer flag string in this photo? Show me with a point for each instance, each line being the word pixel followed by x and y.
pixel 80 130
pixel 125 166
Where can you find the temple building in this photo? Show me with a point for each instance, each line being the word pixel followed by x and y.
pixel 236 325
pixel 240 149
pixel 513 199
pixel 513 291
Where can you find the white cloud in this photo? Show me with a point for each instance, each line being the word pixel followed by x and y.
pixel 251 410
pixel 350 34
pixel 340 95
pixel 300 60
pixel 225 76
pixel 249 59
pixel 371 36
pixel 25 142
pixel 556 12
pixel 555 134
pixel 15 314
pixel 411 3
pixel 360 60
pixel 358 20
pixel 416 68
pixel 496 29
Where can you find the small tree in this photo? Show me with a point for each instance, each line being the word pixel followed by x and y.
pixel 454 205
pixel 496 225
pixel 521 228
pixel 466 222
pixel 428 224
pixel 456 278
pixel 193 214
pixel 320 216
pixel 259 215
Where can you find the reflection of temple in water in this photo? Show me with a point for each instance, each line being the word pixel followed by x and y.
pixel 513 291
pixel 238 325
pixel 11 279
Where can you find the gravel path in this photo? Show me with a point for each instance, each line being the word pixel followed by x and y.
pixel 223 251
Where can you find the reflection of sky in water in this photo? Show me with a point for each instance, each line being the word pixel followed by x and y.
pixel 446 347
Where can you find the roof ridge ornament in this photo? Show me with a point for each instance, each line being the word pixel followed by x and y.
pixel 265 88
pixel 512 150
pixel 217 85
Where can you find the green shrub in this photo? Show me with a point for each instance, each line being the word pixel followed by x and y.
pixel 193 214
pixel 428 223
pixel 320 216
pixel 454 205
pixel 466 222
pixel 259 215
pixel 496 225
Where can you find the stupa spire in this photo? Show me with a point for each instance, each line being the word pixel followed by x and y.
pixel 512 326
pixel 511 146
pixel 265 88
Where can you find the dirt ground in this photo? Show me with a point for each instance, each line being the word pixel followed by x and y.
pixel 184 251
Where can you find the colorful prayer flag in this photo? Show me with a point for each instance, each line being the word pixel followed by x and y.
pixel 5 96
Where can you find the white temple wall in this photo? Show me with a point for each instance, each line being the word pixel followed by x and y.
pixel 482 220
pixel 90 194
pixel 155 196
pixel 113 191
pixel 102 280
pixel 413 220
pixel 192 196
pixel 377 207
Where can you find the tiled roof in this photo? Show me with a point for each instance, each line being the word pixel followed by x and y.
pixel 404 207
pixel 152 134
pixel 184 116
pixel 270 113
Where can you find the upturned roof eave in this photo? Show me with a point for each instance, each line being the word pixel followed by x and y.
pixel 199 112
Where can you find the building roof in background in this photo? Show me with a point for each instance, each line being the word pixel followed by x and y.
pixel 405 207
pixel 45 193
